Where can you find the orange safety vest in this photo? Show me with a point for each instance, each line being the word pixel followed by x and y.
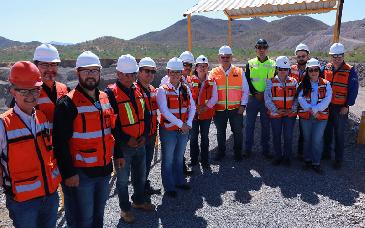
pixel 229 87
pixel 151 104
pixel 177 105
pixel 131 119
pixel 92 142
pixel 339 81
pixel 321 115
pixel 205 96
pixel 294 73
pixel 193 82
pixel 283 97
pixel 46 105
pixel 29 166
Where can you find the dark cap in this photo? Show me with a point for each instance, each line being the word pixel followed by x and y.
pixel 261 42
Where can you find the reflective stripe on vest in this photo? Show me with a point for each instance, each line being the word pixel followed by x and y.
pixel 259 72
pixel 28 187
pixel 339 82
pixel 88 160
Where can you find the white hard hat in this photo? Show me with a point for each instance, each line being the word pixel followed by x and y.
pixel 282 62
pixel 187 57
pixel 175 64
pixel 336 49
pixel 88 59
pixel 225 50
pixel 127 64
pixel 313 63
pixel 46 53
pixel 301 47
pixel 202 59
pixel 147 62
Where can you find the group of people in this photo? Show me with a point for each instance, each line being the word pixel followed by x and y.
pixel 57 136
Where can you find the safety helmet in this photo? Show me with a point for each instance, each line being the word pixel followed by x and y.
pixel 301 47
pixel 187 57
pixel 225 50
pixel 127 64
pixel 283 62
pixel 337 49
pixel 46 53
pixel 175 64
pixel 87 59
pixel 25 74
pixel 147 62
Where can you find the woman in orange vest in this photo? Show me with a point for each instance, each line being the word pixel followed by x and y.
pixel 177 108
pixel 314 96
pixel 204 92
pixel 282 109
pixel 28 169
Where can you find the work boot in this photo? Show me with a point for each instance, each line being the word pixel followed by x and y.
pixel 149 190
pixel 276 162
pixel 307 165
pixel 219 156
pixel 317 169
pixel 337 165
pixel 247 154
pixel 144 206
pixel 184 186
pixel 127 217
pixel 172 194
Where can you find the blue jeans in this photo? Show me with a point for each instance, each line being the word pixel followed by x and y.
pixel 204 145
pixel 135 164
pixel 283 126
pixel 253 108
pixel 336 126
pixel 236 122
pixel 70 206
pixel 35 213
pixel 150 150
pixel 173 145
pixel 313 131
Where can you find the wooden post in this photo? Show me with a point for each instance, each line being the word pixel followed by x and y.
pixel 337 27
pixel 229 31
pixel 190 35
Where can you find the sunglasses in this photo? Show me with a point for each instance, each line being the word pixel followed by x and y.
pixel 188 64
pixel 283 69
pixel 225 57
pixel 47 65
pixel 131 74
pixel 27 92
pixel 147 71
pixel 261 47
pixel 337 55
pixel 313 70
pixel 175 72
pixel 90 72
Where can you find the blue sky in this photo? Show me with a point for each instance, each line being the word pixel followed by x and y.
pixel 80 20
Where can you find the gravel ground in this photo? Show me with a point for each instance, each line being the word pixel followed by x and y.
pixel 253 193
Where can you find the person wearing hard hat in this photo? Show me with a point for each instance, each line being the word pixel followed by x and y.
pixel 188 60
pixel 84 144
pixel 205 95
pixel 28 172
pixel 258 70
pixel 177 109
pixel 297 71
pixel 282 109
pixel 345 86
pixel 233 93
pixel 314 95
pixel 47 59
pixel 132 128
pixel 146 74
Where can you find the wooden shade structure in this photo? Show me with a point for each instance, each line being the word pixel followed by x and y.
pixel 235 9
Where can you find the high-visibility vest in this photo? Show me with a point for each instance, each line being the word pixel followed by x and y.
pixel 29 165
pixel 229 87
pixel 321 115
pixel 177 105
pixel 295 73
pixel 283 97
pixel 193 82
pixel 339 82
pixel 45 104
pixel 259 72
pixel 131 119
pixel 151 104
pixel 92 142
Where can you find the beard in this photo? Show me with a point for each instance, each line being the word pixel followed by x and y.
pixel 302 62
pixel 49 75
pixel 89 83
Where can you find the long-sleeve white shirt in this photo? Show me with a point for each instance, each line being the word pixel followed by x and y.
pixel 164 110
pixel 314 99
pixel 268 96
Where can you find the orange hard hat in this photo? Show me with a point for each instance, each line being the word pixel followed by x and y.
pixel 25 74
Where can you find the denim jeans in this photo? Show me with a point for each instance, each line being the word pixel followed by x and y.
pixel 135 164
pixel 204 144
pixel 236 122
pixel 282 126
pixel 70 206
pixel 300 141
pixel 40 212
pixel 253 108
pixel 336 126
pixel 150 150
pixel 173 145
pixel 313 131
